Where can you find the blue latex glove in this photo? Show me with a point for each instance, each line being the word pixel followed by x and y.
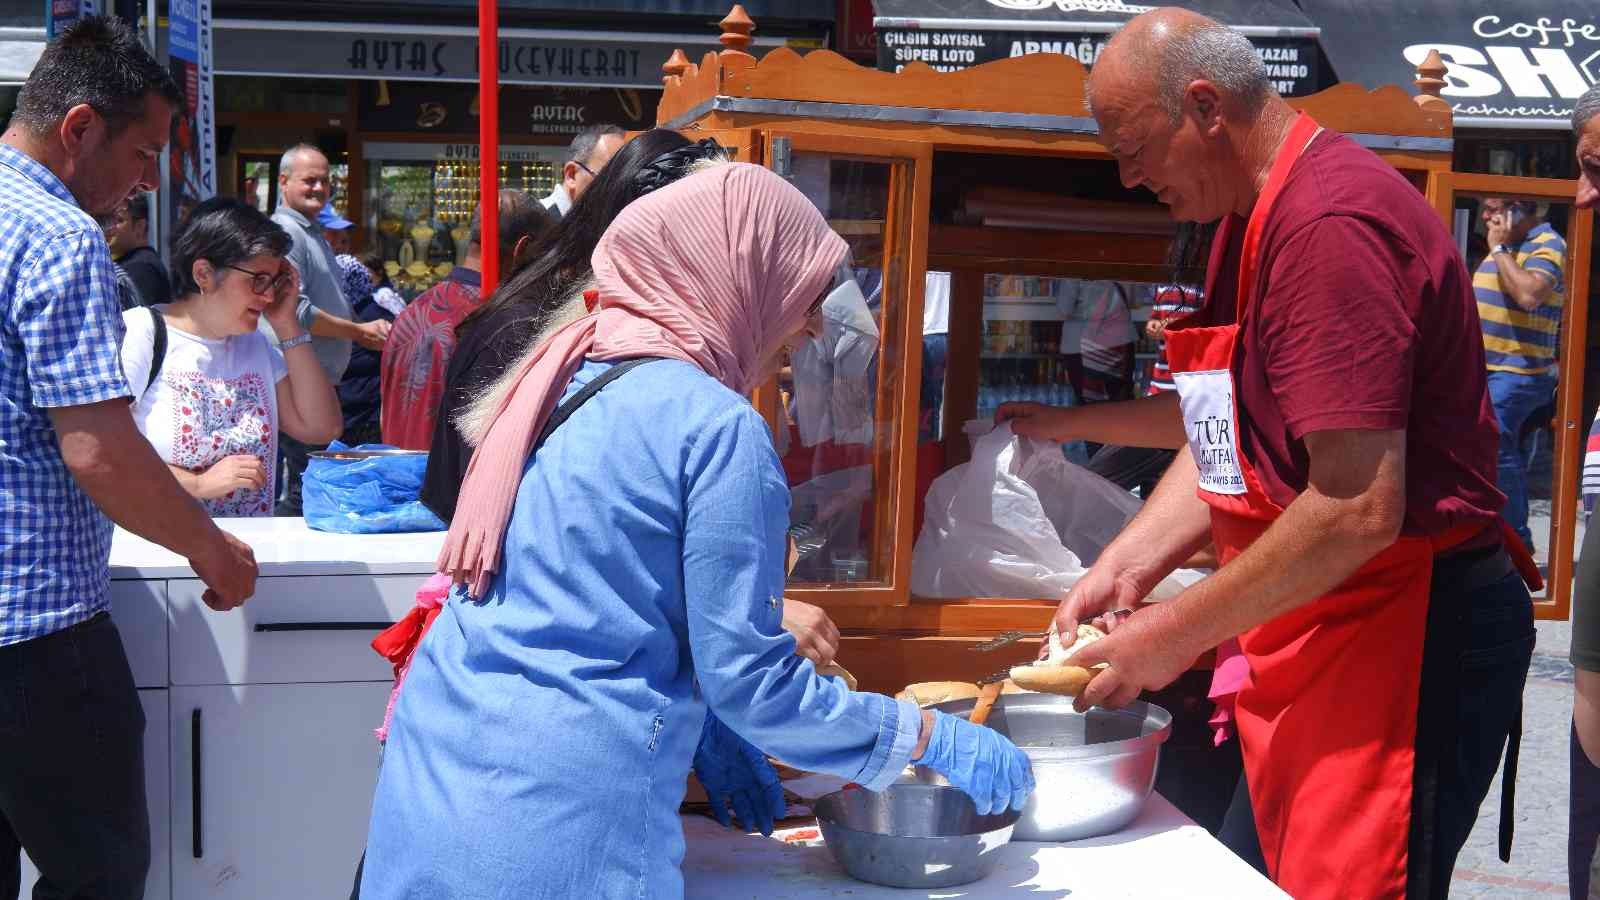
pixel 979 760
pixel 730 766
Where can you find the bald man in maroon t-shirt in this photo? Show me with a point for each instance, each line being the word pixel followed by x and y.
pixel 1342 455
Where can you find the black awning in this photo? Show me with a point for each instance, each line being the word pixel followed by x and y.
pixel 956 34
pixel 1257 18
pixel 1512 63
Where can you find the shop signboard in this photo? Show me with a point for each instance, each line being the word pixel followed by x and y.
pixel 1510 63
pixel 61 13
pixel 857 38
pixel 192 150
pixel 1293 64
pixel 448 53
pixel 707 10
pixel 555 112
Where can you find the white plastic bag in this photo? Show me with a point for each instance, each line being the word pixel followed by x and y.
pixel 1019 521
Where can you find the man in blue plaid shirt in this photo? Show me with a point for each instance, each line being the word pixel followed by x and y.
pixel 88 130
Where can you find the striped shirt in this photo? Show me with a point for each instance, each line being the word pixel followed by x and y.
pixel 1515 340
pixel 1171 302
pixel 60 328
pixel 1591 467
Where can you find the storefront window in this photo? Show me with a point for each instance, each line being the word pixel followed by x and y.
pixel 238 94
pixel 1529 154
pixel 420 199
pixel 1064 342
pixel 8 103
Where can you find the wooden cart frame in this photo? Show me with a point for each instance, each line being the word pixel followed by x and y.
pixel 1034 106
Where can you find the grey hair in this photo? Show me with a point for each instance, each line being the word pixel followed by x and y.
pixel 286 162
pixel 1210 52
pixel 582 146
pixel 1588 106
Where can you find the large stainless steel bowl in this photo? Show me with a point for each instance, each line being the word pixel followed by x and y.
pixel 912 835
pixel 1093 771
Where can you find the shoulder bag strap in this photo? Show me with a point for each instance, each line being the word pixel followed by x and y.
pixel 158 353
pixel 571 404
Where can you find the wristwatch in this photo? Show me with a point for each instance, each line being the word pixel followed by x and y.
pixel 1504 248
pixel 303 337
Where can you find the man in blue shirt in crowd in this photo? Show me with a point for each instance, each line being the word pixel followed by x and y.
pixel 88 131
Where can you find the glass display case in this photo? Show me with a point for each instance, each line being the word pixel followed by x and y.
pixel 420 199
pixel 841 405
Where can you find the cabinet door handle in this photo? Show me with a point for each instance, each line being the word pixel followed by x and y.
pixel 322 626
pixel 194 775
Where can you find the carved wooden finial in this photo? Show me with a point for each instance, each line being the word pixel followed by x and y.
pixel 1430 82
pixel 736 29
pixel 674 67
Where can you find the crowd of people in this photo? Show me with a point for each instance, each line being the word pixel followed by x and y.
pixel 646 613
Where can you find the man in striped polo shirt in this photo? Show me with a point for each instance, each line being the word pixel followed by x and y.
pixel 1519 288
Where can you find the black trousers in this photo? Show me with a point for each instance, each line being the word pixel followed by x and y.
pixel 1583 820
pixel 72 779
pixel 1474 664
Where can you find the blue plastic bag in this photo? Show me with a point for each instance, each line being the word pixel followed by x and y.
pixel 367 496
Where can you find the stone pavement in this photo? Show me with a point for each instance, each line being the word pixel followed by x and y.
pixel 1538 866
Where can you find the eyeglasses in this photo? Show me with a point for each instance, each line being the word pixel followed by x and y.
pixel 263 283
pixel 585 168
pixel 816 305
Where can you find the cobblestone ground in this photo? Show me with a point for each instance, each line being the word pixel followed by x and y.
pixel 1538 866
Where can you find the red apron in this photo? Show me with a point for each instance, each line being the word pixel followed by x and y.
pixel 1327 717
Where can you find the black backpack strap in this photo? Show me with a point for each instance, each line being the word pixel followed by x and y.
pixel 571 404
pixel 158 353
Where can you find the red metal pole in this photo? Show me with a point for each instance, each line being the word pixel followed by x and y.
pixel 489 141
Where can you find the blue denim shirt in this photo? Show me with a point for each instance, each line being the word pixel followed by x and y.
pixel 542 740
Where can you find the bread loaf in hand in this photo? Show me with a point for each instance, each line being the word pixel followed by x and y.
pixel 928 693
pixel 1050 675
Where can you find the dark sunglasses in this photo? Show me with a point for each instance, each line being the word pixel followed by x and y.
pixel 263 283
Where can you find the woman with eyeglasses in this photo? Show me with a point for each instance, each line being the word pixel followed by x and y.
pixel 210 390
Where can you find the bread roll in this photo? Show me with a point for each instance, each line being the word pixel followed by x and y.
pixel 1050 676
pixel 1069 680
pixel 927 693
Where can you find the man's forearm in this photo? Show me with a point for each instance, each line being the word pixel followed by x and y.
pixel 1146 422
pixel 1173 525
pixel 122 474
pixel 1528 290
pixel 1310 550
pixel 324 325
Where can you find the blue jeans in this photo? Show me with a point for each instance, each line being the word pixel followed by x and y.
pixel 1515 397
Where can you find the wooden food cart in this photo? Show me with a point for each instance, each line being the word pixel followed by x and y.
pixel 903 164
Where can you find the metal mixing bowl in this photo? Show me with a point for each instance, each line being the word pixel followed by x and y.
pixel 1093 771
pixel 912 835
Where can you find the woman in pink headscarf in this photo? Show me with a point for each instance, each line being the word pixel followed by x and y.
pixel 622 552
